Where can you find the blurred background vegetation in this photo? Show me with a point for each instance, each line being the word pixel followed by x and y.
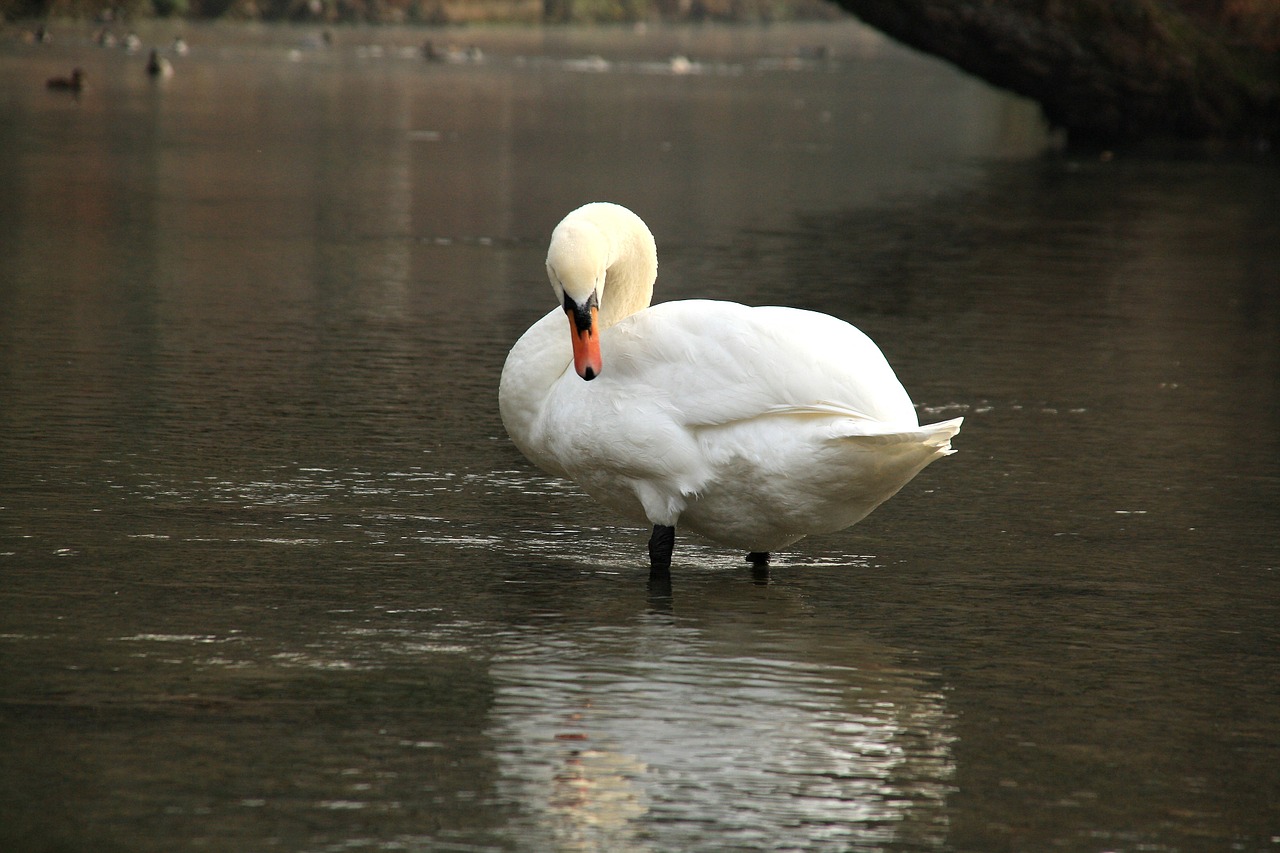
pixel 437 12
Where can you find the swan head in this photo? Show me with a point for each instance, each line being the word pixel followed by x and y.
pixel 577 265
pixel 596 245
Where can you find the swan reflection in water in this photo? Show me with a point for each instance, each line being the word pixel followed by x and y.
pixel 658 736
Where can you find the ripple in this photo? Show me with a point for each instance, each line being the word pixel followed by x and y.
pixel 176 638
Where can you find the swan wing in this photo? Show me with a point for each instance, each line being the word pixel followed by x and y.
pixel 709 363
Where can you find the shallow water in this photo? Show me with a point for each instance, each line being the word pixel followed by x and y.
pixel 275 579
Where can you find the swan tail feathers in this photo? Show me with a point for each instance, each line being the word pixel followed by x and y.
pixel 936 435
pixel 940 434
pixel 905 451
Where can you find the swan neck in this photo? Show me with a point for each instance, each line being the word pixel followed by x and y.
pixel 629 279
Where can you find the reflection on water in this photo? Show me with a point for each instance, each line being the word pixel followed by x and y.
pixel 275 579
pixel 657 736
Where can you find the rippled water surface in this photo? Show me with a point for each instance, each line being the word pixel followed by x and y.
pixel 274 578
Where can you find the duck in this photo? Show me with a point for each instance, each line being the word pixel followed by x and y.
pixel 74 83
pixel 158 67
pixel 750 426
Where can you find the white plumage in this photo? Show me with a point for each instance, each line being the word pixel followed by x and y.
pixel 753 427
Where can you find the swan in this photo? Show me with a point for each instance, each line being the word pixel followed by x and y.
pixel 753 427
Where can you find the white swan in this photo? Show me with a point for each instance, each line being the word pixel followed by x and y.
pixel 751 426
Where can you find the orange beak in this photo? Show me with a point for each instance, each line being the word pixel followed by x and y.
pixel 585 329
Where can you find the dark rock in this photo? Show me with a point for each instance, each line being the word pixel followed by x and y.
pixel 1111 72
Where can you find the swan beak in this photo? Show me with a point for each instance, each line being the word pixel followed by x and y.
pixel 584 326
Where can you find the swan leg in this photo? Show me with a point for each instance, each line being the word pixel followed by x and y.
pixel 661 544
pixel 759 561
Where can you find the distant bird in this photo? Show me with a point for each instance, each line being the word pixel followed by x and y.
pixel 595 64
pixel 682 65
pixel 39 35
pixel 180 47
pixel 157 66
pixel 813 52
pixel 74 83
pixel 452 54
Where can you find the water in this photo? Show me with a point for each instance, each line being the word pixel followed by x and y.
pixel 275 579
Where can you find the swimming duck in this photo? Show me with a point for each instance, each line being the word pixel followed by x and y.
pixel 158 66
pixel 74 83
pixel 753 427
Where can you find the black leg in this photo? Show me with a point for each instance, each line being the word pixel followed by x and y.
pixel 660 590
pixel 661 544
pixel 759 561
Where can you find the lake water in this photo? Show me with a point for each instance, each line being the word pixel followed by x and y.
pixel 275 579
